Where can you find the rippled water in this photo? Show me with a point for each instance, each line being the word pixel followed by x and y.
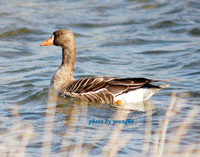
pixel 157 39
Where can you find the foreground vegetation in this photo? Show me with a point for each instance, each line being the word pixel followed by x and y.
pixel 14 141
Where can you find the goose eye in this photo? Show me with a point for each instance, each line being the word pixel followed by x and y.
pixel 59 34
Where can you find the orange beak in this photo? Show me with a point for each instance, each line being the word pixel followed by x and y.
pixel 48 41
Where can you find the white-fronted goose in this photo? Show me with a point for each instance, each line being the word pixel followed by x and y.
pixel 100 89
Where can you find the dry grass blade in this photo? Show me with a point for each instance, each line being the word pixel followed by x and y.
pixel 78 150
pixel 49 123
pixel 180 131
pixel 148 131
pixel 26 137
pixel 14 141
pixel 114 144
pixel 160 136
pixel 168 115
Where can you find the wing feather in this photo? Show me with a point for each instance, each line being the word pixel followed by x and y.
pixel 102 89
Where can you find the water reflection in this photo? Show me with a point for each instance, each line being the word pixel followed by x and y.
pixel 81 116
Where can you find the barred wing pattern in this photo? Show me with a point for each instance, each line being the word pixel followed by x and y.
pixel 103 89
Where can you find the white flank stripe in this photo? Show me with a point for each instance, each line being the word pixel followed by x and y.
pixel 138 95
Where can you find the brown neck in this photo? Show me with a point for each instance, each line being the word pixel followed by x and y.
pixel 68 56
pixel 64 74
pixel 68 59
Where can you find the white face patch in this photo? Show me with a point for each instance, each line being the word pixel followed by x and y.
pixel 52 37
